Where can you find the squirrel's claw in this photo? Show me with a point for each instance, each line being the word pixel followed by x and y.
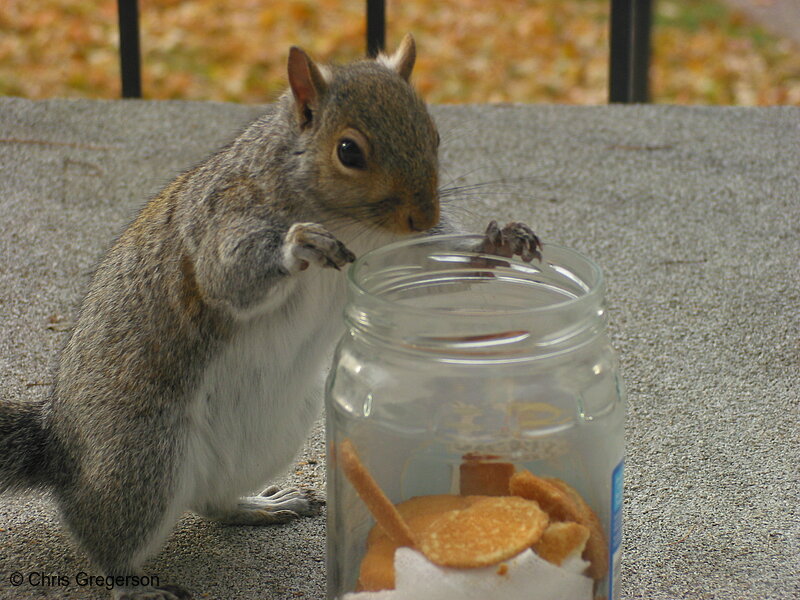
pixel 514 239
pixel 311 243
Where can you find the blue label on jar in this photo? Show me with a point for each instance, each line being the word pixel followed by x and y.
pixel 616 528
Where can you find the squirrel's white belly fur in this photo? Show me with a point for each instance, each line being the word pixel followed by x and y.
pixel 260 396
pixel 268 379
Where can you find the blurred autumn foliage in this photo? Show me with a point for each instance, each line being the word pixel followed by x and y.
pixel 468 50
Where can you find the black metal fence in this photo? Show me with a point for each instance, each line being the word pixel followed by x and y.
pixel 629 51
pixel 129 53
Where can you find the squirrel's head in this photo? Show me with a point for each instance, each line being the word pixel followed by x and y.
pixel 369 138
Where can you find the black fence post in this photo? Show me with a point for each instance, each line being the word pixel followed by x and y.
pixel 129 55
pixel 376 27
pixel 640 71
pixel 619 60
pixel 629 60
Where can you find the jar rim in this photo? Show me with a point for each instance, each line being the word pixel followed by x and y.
pixel 552 254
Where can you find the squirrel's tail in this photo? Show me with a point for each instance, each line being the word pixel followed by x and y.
pixel 23 445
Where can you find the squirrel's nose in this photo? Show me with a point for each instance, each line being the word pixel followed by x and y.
pixel 423 218
pixel 423 211
pixel 413 214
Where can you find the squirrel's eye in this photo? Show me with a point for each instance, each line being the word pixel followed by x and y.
pixel 350 154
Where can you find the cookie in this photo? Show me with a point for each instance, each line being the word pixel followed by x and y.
pixel 484 478
pixel 560 540
pixel 379 505
pixel 563 503
pixel 491 530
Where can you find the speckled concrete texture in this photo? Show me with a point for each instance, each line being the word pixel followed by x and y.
pixel 693 213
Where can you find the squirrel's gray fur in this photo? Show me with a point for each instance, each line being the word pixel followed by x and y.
pixel 188 378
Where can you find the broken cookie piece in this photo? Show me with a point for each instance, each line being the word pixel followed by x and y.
pixel 378 504
pixel 563 503
pixel 562 541
pixel 481 476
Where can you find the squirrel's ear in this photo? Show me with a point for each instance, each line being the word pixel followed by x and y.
pixel 307 83
pixel 403 59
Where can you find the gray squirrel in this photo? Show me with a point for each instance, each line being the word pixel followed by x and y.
pixel 189 378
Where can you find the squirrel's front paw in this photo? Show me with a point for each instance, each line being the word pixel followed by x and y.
pixel 311 243
pixel 514 238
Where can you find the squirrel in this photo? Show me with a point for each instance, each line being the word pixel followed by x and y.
pixel 188 379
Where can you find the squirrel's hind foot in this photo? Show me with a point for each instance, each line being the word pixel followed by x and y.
pixel 273 506
pixel 164 592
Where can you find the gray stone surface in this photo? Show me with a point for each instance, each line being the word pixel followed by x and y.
pixel 693 213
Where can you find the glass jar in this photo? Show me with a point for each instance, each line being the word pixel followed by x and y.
pixel 463 380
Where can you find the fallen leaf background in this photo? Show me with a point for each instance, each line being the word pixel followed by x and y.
pixel 468 50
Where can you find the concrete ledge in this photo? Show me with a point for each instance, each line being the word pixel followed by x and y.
pixel 694 214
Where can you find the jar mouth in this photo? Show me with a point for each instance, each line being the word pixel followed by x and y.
pixel 380 273
pixel 438 292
